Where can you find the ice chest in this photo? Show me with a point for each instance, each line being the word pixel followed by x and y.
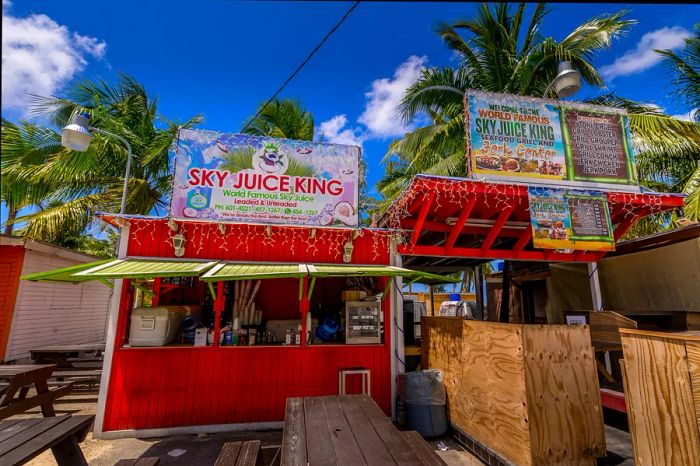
pixel 155 326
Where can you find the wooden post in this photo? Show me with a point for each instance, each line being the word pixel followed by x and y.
pixel 304 308
pixel 505 294
pixel 479 291
pixel 432 301
pixel 594 282
pixel 156 292
pixel 218 309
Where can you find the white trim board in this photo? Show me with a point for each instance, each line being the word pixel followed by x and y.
pixel 185 430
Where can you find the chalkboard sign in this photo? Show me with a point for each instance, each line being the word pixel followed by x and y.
pixel 362 322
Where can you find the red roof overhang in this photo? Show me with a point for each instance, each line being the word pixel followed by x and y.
pixel 457 217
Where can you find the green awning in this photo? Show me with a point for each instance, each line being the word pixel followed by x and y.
pixel 147 268
pixel 64 274
pixel 351 270
pixel 431 278
pixel 245 271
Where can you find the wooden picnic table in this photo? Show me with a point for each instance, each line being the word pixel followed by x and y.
pixel 18 380
pixel 344 430
pixel 64 355
pixel 24 439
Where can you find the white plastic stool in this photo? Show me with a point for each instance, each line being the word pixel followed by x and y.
pixel 364 372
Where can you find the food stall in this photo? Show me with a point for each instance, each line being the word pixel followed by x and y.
pixel 550 181
pixel 259 286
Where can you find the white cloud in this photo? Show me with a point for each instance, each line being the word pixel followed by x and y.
pixel 643 56
pixel 686 116
pixel 39 56
pixel 380 115
pixel 335 132
pixel 380 119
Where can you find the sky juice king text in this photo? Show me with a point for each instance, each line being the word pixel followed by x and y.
pixel 206 177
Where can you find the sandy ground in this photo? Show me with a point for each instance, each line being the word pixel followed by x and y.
pixel 203 449
pixel 198 450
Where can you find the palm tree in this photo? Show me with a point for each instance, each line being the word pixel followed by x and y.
pixel 498 55
pixel 686 72
pixel 284 118
pixel 501 53
pixel 78 184
pixel 22 145
pixel 686 82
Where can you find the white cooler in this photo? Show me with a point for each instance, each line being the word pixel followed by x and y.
pixel 156 326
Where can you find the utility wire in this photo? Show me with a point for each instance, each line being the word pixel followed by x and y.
pixel 291 76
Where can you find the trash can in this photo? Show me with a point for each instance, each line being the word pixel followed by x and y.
pixel 423 394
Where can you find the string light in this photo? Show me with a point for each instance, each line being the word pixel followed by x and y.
pixel 624 207
pixel 235 240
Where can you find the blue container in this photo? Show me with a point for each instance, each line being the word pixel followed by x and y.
pixel 455 297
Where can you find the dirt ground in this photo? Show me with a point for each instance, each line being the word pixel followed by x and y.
pixel 190 449
pixel 203 449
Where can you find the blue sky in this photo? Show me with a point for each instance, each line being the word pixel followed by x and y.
pixel 222 58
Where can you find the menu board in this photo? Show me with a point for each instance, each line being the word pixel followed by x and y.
pixel 548 142
pixel 244 178
pixel 597 146
pixel 568 219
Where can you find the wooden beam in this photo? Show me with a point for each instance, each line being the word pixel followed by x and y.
pixel 478 253
pixel 623 227
pixel 461 220
pixel 477 230
pixel 502 217
pixel 421 217
pixel 523 239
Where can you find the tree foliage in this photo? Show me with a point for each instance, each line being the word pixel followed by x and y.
pixel 66 188
pixel 500 50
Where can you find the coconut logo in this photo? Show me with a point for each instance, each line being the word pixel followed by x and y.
pixel 270 160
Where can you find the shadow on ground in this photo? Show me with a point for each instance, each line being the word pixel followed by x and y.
pixel 203 450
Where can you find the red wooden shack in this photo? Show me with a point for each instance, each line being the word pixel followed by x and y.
pixel 150 391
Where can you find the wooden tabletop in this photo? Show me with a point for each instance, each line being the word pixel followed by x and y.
pixel 7 372
pixel 86 347
pixel 348 430
pixel 23 439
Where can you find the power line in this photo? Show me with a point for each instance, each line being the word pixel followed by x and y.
pixel 291 76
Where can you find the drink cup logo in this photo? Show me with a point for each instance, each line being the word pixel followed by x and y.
pixel 270 160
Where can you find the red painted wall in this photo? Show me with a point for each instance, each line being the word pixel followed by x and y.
pixel 170 387
pixel 11 260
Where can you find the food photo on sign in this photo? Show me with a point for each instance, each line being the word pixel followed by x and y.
pixel 238 177
pixel 568 219
pixel 514 137
pixel 548 142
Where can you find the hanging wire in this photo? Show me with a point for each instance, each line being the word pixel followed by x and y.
pixel 291 76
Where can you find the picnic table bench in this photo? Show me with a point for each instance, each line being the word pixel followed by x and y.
pixel 64 356
pixel 24 439
pixel 343 430
pixel 17 380
pixel 239 454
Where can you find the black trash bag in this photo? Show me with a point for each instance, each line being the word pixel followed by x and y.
pixel 425 387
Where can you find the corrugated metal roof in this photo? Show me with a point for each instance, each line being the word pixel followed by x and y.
pixel 147 268
pixel 243 271
pixel 65 274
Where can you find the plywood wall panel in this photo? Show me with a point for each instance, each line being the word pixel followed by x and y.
pixel 659 397
pixel 566 421
pixel 491 403
pixel 527 392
